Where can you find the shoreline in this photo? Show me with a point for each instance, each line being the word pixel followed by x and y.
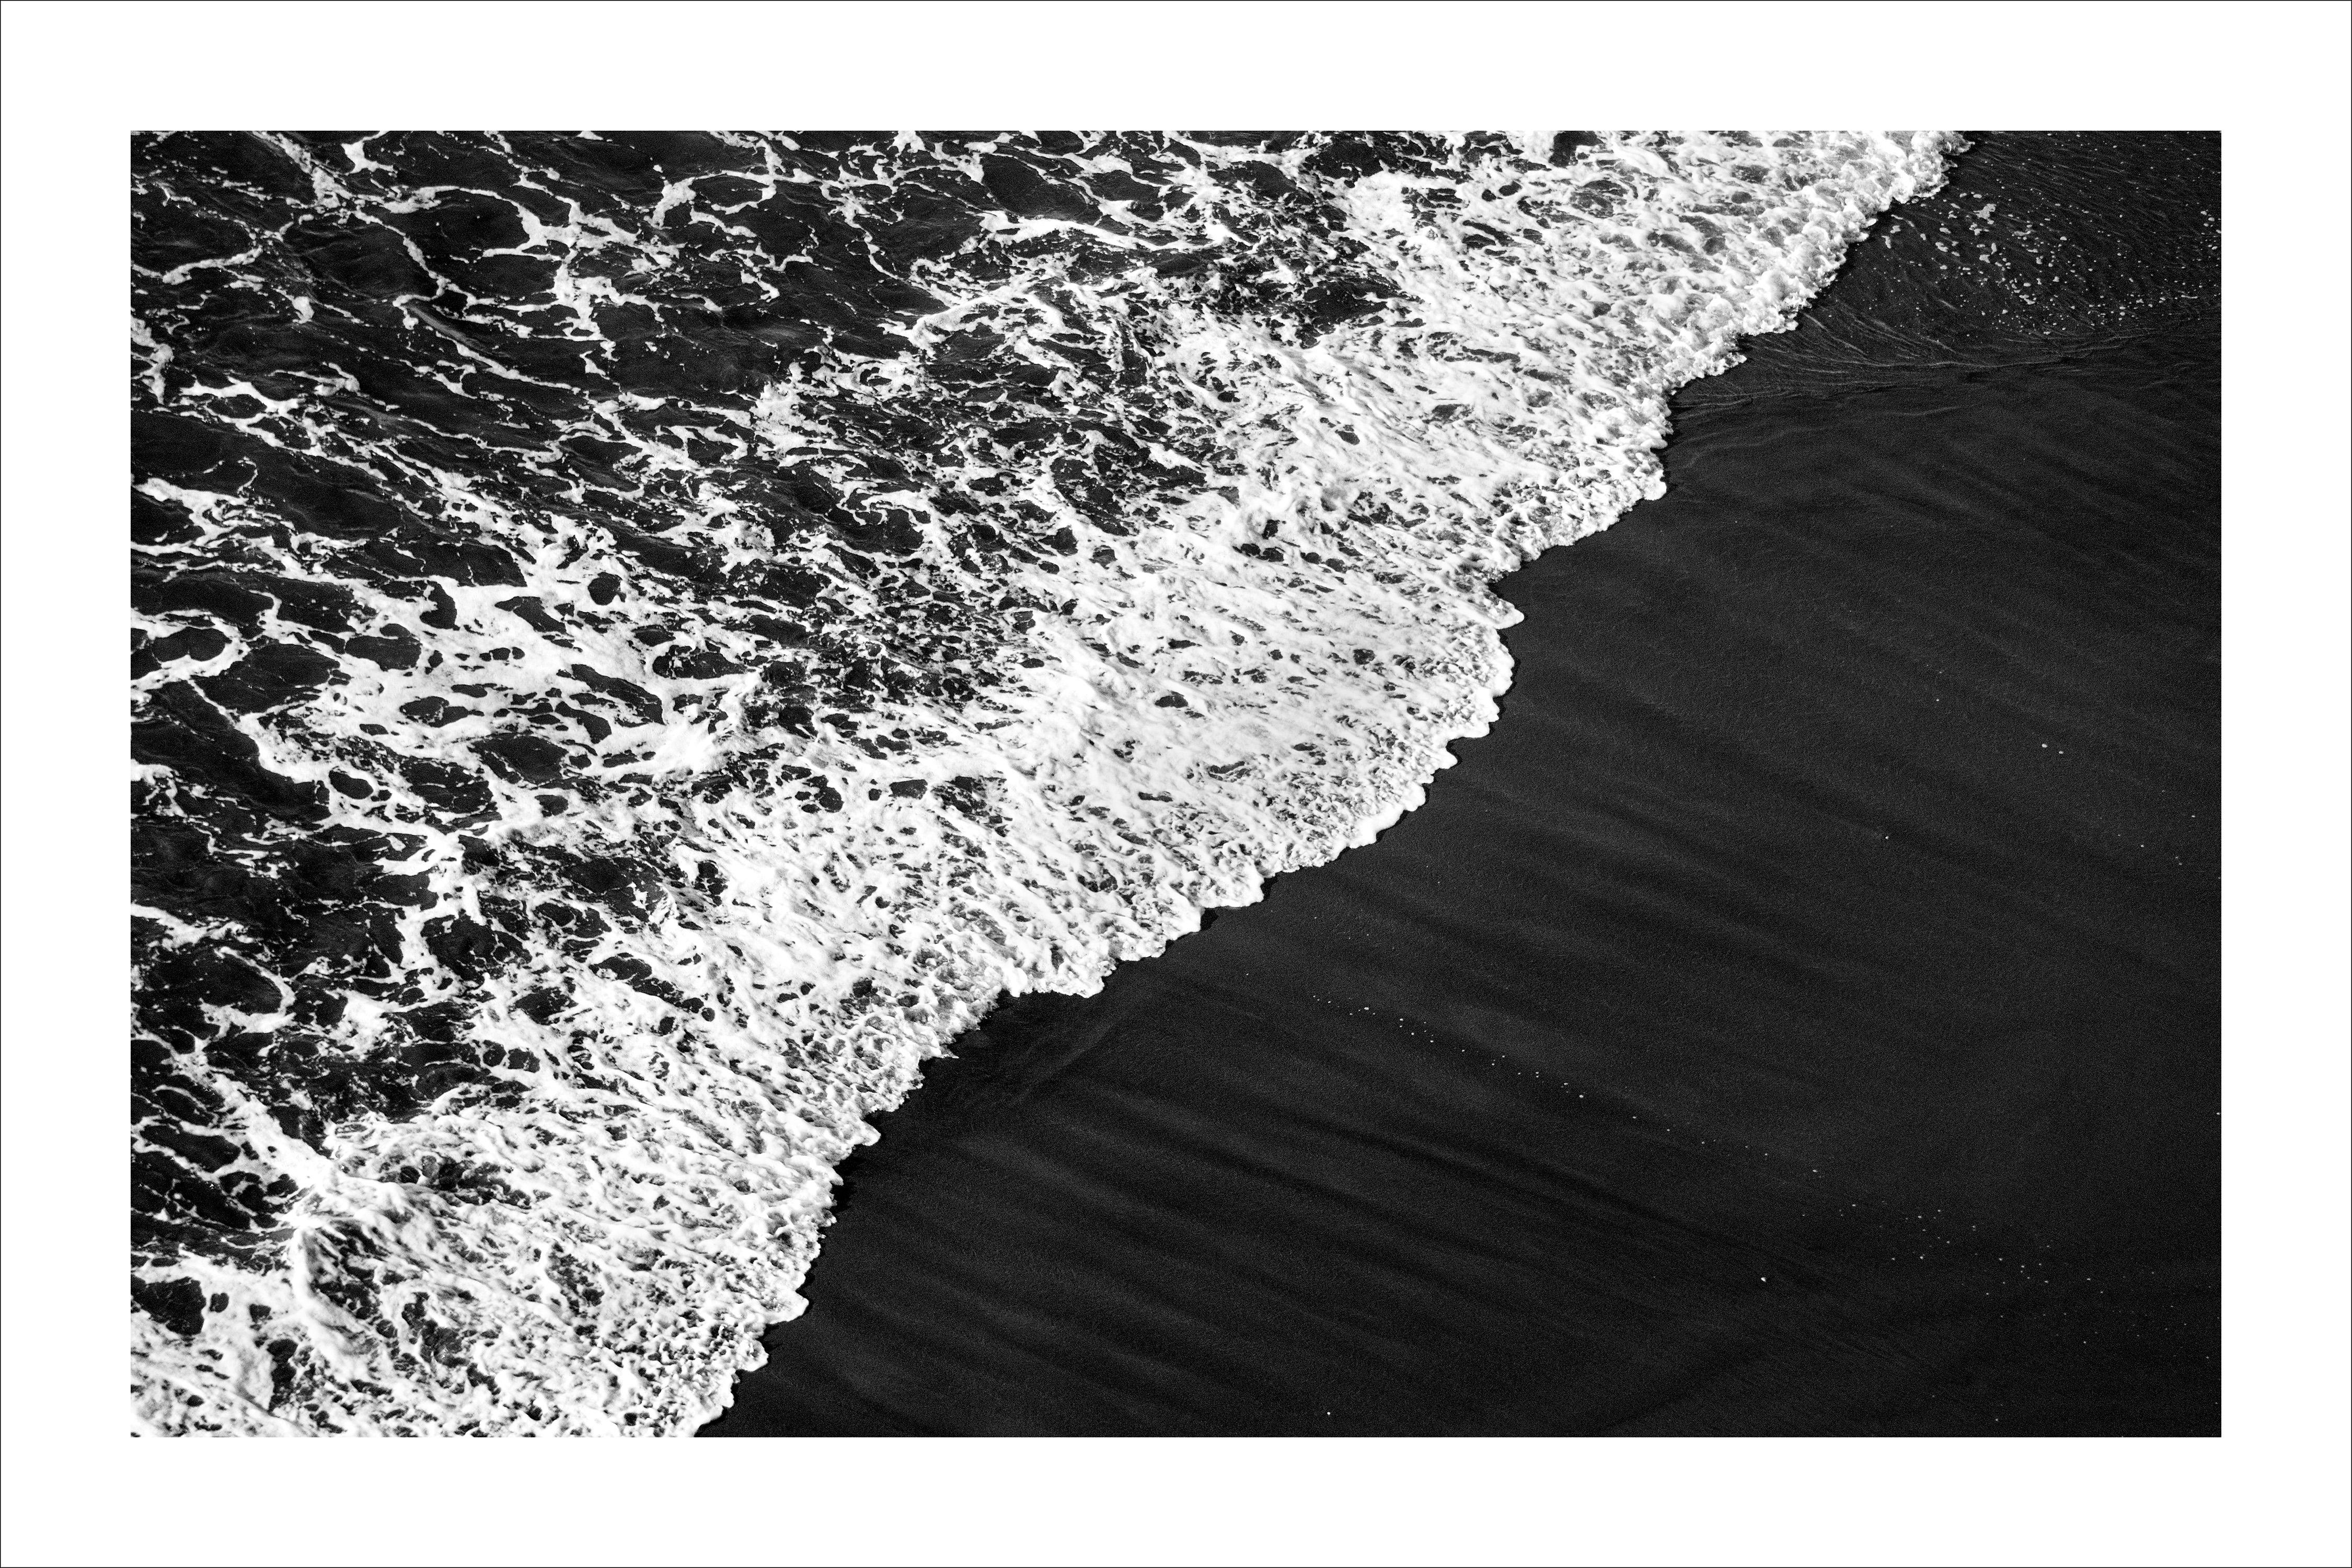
pixel 1798 1014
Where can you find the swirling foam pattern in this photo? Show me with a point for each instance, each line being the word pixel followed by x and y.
pixel 639 640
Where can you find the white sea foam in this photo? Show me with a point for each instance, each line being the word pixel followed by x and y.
pixel 1190 718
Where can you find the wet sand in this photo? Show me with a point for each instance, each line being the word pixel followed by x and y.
pixel 1799 1014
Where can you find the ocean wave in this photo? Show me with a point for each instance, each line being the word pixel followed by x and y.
pixel 640 641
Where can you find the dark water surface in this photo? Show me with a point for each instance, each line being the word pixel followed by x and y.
pixel 1799 1014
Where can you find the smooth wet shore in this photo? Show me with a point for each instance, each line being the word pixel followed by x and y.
pixel 1799 1014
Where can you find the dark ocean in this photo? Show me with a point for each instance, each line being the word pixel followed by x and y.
pixel 643 643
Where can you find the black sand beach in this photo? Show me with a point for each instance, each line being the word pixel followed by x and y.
pixel 1799 1014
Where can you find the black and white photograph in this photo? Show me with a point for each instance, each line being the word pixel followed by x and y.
pixel 658 656
pixel 1424 783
